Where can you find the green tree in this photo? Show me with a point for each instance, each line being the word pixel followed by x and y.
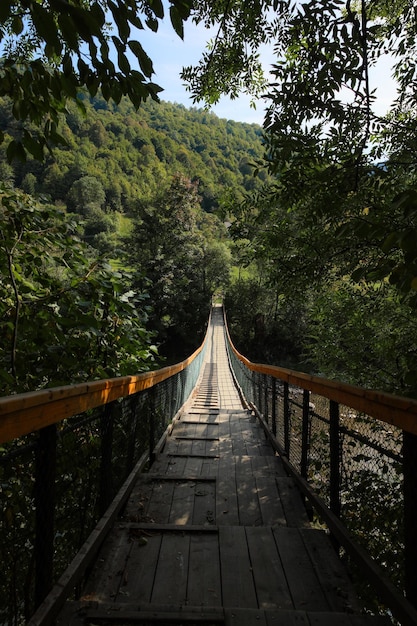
pixel 84 192
pixel 64 315
pixel 177 265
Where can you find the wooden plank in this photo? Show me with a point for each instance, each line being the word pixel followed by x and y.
pixel 204 512
pixel 238 442
pixel 245 617
pixel 346 619
pixel 182 506
pixel 267 465
pixel 160 502
pixel 288 618
pixel 182 430
pixel 193 466
pixel 204 588
pixel 294 509
pixel 303 583
pixel 210 467
pixel 137 505
pixel 227 510
pixel 270 504
pixel 139 571
pixel 270 579
pixel 170 586
pixel 46 613
pixel 151 529
pixel 106 576
pixel 132 614
pixel 249 511
pixel 165 464
pixel 330 571
pixel 238 587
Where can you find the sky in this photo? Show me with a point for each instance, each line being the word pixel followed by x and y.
pixel 169 54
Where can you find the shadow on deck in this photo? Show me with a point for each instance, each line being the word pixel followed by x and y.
pixel 216 532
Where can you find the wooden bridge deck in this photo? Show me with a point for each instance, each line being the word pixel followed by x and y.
pixel 216 532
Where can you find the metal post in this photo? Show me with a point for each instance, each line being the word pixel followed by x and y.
pixel 410 515
pixel 131 443
pixel 106 441
pixel 259 390
pixel 335 505
pixel 287 439
pixel 305 434
pixel 151 422
pixel 266 408
pixel 44 492
pixel 274 405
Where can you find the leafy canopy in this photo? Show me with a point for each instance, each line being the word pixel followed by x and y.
pixel 50 49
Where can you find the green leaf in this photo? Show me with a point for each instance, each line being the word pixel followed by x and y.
pixel 176 21
pixel 15 150
pixel 157 7
pixel 68 31
pixel 17 25
pixel 144 61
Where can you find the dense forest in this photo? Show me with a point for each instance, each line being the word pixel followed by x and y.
pixel 112 246
pixel 114 211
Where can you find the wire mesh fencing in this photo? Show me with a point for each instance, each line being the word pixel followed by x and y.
pixel 56 483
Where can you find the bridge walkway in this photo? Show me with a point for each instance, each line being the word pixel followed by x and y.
pixel 216 532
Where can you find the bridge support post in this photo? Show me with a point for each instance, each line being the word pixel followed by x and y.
pixel 410 515
pixel 266 407
pixel 106 477
pixel 151 421
pixel 335 505
pixel 305 434
pixel 45 474
pixel 274 405
pixel 287 419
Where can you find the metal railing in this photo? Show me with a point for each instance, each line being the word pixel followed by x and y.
pixel 353 453
pixel 64 455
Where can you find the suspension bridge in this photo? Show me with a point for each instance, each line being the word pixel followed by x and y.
pixel 212 492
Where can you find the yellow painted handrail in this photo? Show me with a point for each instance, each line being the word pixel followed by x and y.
pixel 396 410
pixel 26 412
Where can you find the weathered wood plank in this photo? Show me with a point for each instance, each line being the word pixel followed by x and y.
pixel 332 575
pixel 138 573
pixel 245 617
pixel 104 582
pixel 288 618
pixel 160 502
pixel 249 511
pixel 294 509
pixel 204 582
pixel 238 587
pixel 182 506
pixel 270 580
pixel 204 503
pixel 170 584
pixel 305 588
pixel 270 505
pixel 227 510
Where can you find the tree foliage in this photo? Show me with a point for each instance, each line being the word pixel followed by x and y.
pixel 65 315
pixel 182 263
pixel 51 50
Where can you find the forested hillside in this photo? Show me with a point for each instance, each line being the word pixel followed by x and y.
pixel 111 247
pixel 132 154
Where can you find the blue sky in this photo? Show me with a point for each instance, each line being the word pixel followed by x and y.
pixel 169 54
